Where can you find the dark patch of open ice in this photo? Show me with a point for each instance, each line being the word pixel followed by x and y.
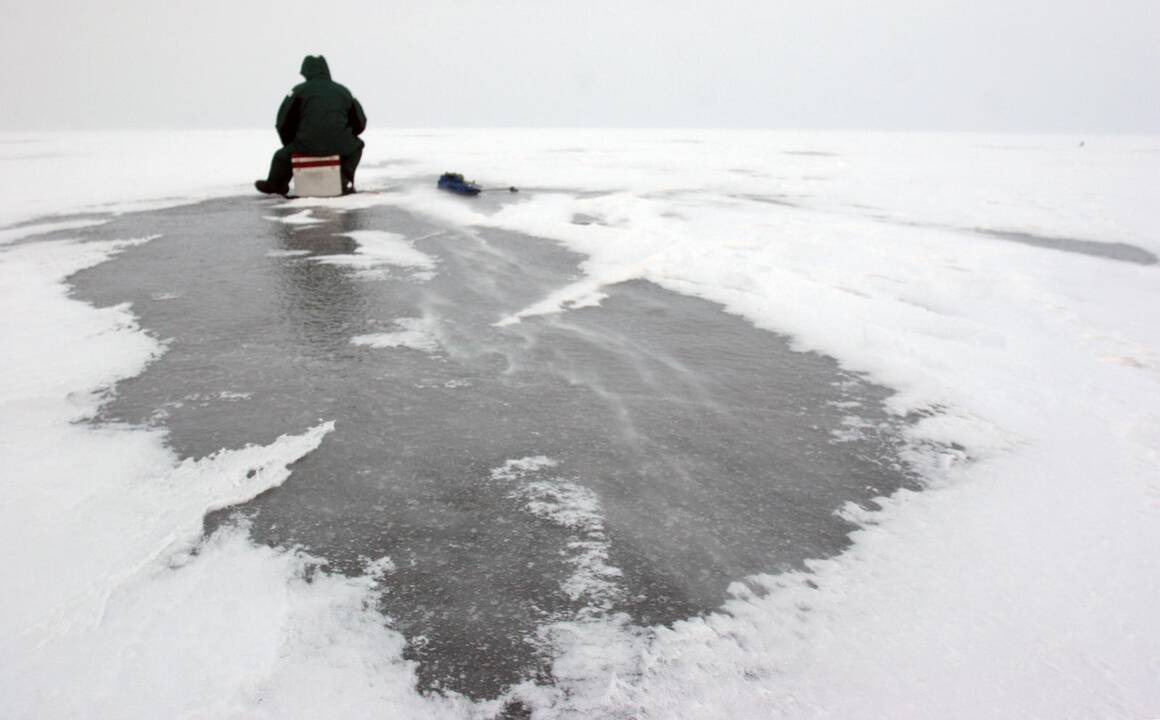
pixel 696 449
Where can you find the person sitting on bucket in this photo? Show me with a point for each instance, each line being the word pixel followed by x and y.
pixel 319 117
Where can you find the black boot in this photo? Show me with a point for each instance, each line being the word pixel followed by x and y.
pixel 264 186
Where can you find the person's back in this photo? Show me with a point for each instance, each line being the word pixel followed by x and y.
pixel 318 117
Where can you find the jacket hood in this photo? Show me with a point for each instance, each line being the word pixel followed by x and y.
pixel 314 68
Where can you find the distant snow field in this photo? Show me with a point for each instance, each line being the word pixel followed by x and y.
pixel 1006 287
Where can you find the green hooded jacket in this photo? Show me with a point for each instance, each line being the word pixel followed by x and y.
pixel 319 116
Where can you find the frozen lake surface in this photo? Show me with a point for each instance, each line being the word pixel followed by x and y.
pixel 632 457
pixel 699 424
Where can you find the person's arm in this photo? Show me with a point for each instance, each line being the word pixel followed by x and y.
pixel 356 118
pixel 289 113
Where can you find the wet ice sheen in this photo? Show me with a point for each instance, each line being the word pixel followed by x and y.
pixel 635 457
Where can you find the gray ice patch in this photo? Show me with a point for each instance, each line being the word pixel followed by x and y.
pixel 1109 250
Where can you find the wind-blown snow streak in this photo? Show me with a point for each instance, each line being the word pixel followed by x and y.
pixel 594 582
pixel 23 231
pixel 597 651
pixel 416 333
pixel 378 250
pixel 304 217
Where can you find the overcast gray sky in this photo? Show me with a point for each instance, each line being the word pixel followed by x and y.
pixel 1006 65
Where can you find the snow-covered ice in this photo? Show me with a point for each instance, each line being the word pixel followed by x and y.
pixel 1020 583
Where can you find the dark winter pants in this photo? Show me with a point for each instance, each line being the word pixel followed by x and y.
pixel 281 169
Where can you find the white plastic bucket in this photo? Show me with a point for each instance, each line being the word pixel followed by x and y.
pixel 317 176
